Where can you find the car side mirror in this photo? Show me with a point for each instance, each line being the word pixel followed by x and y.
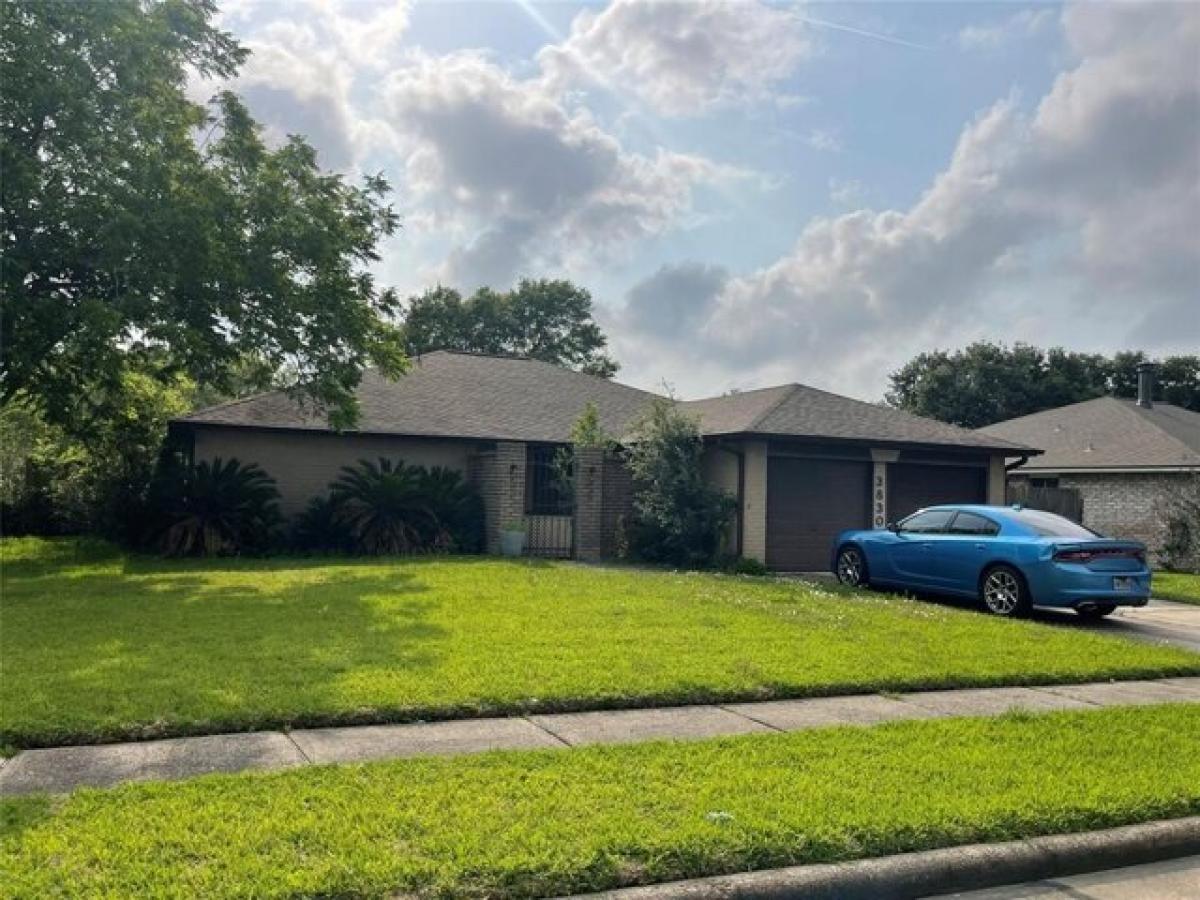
pixel 893 527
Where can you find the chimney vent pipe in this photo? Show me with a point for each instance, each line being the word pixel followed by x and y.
pixel 1145 373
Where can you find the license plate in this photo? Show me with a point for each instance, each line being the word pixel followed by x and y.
pixel 1122 583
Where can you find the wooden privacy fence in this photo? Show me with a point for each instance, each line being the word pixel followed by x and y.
pixel 1066 502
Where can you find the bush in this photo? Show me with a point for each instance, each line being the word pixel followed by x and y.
pixel 741 565
pixel 678 518
pixel 214 508
pixel 317 529
pixel 1180 550
pixel 395 508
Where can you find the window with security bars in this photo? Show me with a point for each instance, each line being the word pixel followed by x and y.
pixel 548 489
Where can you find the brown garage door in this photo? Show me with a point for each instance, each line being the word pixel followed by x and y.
pixel 911 487
pixel 808 502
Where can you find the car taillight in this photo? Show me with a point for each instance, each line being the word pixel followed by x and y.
pixel 1080 556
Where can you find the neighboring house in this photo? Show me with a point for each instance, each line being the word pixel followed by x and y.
pixel 802 463
pixel 1126 458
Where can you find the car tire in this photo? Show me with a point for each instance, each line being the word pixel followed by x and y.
pixel 1003 592
pixel 1099 611
pixel 851 567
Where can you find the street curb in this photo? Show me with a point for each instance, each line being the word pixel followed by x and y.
pixel 912 875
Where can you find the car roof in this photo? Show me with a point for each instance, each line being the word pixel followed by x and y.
pixel 979 508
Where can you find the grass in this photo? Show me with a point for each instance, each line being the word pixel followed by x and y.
pixel 522 824
pixel 1178 586
pixel 97 646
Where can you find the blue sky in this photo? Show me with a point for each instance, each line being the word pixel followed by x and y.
pixel 767 192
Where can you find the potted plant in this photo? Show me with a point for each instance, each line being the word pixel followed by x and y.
pixel 512 538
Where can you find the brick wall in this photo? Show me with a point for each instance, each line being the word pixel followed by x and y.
pixel 617 507
pixel 499 474
pixel 1127 506
pixel 603 503
pixel 589 502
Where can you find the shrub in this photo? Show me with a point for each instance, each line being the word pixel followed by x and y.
pixel 394 508
pixel 678 518
pixel 741 565
pixel 213 508
pixel 317 529
pixel 457 506
pixel 1180 549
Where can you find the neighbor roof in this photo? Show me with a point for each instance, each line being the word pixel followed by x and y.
pixel 796 410
pixel 1107 433
pixel 467 395
pixel 462 395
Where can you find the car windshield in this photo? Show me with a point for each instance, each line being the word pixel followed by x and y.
pixel 1049 525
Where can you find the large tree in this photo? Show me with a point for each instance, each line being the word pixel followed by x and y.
pixel 550 320
pixel 986 382
pixel 140 226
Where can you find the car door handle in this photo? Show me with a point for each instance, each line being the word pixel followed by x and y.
pixel 981 546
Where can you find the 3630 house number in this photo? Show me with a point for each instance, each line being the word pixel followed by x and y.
pixel 880 502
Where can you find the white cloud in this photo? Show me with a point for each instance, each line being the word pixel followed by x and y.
pixel 543 182
pixel 824 140
pixel 1101 183
pixel 679 58
pixel 992 36
pixel 846 191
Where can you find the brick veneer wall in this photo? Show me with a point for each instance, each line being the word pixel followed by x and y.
pixel 499 474
pixel 1127 505
pixel 603 502
pixel 617 508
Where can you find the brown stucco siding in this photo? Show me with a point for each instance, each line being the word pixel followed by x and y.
pixel 304 463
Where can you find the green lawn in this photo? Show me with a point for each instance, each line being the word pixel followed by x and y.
pixel 521 824
pixel 96 646
pixel 1178 586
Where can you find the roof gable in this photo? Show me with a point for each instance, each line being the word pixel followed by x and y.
pixel 1107 433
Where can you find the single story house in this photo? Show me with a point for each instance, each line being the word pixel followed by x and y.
pixel 1126 458
pixel 801 463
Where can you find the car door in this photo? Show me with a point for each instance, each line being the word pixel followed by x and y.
pixel 913 554
pixel 963 549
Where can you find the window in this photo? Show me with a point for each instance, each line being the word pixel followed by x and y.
pixel 548 491
pixel 970 523
pixel 1049 525
pixel 931 521
pixel 1044 482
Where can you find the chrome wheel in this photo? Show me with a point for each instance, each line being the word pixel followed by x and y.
pixel 850 567
pixel 1002 592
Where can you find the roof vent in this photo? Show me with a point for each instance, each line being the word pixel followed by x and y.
pixel 1146 372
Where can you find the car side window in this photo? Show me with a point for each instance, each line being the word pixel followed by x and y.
pixel 933 521
pixel 970 523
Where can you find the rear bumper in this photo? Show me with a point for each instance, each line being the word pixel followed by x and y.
pixel 1072 586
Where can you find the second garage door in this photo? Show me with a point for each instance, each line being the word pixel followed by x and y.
pixel 911 487
pixel 808 502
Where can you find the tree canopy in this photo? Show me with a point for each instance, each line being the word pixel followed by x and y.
pixel 141 229
pixel 987 382
pixel 550 320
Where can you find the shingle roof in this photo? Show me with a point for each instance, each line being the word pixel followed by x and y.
pixel 465 395
pixel 795 410
pixel 1107 433
pixel 447 394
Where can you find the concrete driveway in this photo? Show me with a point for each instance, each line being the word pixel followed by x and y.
pixel 1161 620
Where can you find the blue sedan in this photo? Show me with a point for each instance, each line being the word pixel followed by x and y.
pixel 1010 558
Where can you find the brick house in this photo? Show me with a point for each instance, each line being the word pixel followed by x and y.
pixel 1127 458
pixel 802 464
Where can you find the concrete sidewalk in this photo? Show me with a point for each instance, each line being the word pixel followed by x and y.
pixel 59 769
